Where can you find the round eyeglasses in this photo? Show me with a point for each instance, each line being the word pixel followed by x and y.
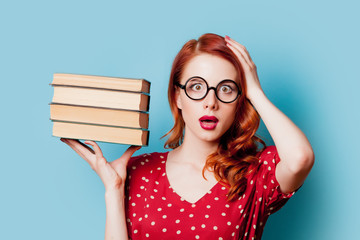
pixel 196 88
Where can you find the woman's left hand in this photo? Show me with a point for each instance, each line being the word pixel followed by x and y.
pixel 250 71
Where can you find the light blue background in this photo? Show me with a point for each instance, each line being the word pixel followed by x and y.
pixel 307 54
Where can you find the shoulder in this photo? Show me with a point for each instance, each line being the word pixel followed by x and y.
pixel 147 160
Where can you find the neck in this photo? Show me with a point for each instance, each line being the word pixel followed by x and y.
pixel 194 150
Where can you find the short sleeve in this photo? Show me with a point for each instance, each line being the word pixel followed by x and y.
pixel 267 187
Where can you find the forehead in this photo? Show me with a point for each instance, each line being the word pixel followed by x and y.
pixel 212 68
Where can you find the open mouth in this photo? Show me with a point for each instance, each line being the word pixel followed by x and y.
pixel 208 122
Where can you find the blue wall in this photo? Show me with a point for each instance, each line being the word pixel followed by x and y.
pixel 307 54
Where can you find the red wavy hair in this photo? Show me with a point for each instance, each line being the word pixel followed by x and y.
pixel 235 157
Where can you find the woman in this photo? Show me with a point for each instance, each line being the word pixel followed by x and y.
pixel 215 183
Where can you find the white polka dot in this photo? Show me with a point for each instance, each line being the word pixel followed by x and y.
pixel 242 210
pixel 181 210
pixel 163 174
pixel 269 168
pixel 223 214
pixel 146 216
pixel 164 216
pixel 159 168
pixel 260 199
pixel 155 190
pixel 197 236
pixel 208 206
pixel 220 238
pixel 265 187
pixel 240 206
pixel 229 223
pixel 216 198
pixel 177 221
pixel 193 228
pixel 178 232
pixel 261 223
pixel 265 162
pixel 152 223
pixel 134 215
pixel 163 198
pixel 251 182
pixel 164 230
pixel 254 226
pixel 209 192
pixel 203 225
pixel 193 205
pixel 272 181
pixel 227 205
pixel 133 204
pixel 223 188
pixel 237 227
pixel 152 197
pixel 135 231
pixel 128 220
pixel 146 160
pixel 138 195
pixel 206 216
pixel 191 215
pixel 169 205
pixel 161 156
pixel 245 234
pixel 142 187
pixel 134 167
pixel 142 163
pixel 140 219
pixel 147 205
pixel 159 209
pixel 268 152
pixel 156 182
pixel 215 227
pixel 147 235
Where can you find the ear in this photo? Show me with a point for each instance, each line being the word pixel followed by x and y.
pixel 177 98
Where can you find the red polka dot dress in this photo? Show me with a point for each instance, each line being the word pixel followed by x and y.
pixel 155 211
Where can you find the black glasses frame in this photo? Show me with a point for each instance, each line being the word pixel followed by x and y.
pixel 183 87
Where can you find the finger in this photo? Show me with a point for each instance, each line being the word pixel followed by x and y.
pixel 239 55
pixel 241 48
pixel 124 159
pixel 98 152
pixel 78 148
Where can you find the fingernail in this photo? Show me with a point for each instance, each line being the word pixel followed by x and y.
pixel 227 37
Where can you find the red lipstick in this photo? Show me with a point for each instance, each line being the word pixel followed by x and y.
pixel 208 122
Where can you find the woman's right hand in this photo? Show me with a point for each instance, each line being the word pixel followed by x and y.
pixel 112 174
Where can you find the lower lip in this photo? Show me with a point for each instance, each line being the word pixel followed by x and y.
pixel 208 125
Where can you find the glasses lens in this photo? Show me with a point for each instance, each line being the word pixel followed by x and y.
pixel 196 88
pixel 227 91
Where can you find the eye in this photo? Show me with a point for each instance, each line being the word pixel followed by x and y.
pixel 196 87
pixel 225 89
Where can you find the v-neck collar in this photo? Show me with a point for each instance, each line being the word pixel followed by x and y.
pixel 180 199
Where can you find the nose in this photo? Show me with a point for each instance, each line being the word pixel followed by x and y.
pixel 210 101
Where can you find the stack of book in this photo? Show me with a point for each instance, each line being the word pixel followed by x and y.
pixel 106 109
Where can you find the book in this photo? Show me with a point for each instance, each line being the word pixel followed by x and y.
pixel 101 133
pixel 96 115
pixel 84 96
pixel 114 83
